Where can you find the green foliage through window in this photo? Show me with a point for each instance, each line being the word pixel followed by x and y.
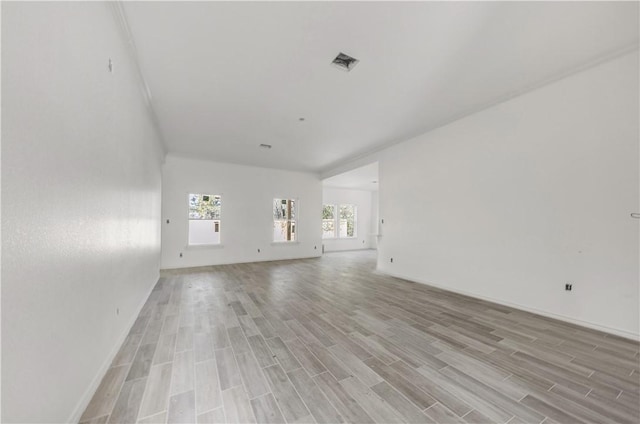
pixel 284 209
pixel 328 211
pixel 204 206
pixel 328 221
pixel 344 221
pixel 347 220
pixel 284 220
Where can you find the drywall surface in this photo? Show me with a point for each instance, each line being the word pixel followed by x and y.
pixel 362 199
pixel 80 205
pixel 375 220
pixel 246 217
pixel 515 201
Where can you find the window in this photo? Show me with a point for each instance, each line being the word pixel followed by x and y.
pixel 204 219
pixel 345 221
pixel 284 220
pixel 328 221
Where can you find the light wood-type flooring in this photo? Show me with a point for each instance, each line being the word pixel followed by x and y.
pixel 329 340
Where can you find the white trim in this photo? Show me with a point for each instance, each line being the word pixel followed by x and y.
pixel 351 250
pixel 219 219
pixel 294 220
pixel 284 243
pixel 336 221
pixel 614 331
pixel 204 246
pixel 171 271
pixel 95 383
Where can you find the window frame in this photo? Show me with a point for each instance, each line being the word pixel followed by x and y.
pixel 355 221
pixel 335 213
pixel 336 221
pixel 216 222
pixel 294 221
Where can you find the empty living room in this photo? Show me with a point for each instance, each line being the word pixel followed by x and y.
pixel 320 212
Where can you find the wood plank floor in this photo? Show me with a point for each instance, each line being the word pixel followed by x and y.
pixel 329 340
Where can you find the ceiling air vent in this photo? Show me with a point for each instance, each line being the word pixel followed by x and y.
pixel 345 62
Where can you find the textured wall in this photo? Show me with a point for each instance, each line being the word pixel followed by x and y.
pixel 246 221
pixel 80 205
pixel 513 202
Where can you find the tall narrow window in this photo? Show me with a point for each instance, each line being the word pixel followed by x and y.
pixel 328 221
pixel 284 220
pixel 204 219
pixel 348 215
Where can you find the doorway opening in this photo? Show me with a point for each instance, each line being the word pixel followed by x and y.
pixel 350 210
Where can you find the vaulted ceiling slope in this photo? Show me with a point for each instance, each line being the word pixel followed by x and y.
pixel 226 77
pixel 361 178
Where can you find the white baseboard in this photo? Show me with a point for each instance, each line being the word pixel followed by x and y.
pixel 88 394
pixel 614 331
pixel 350 250
pixel 189 268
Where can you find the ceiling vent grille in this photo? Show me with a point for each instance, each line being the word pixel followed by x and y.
pixel 345 62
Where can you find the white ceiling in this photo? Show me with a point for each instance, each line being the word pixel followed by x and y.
pixel 225 77
pixel 363 178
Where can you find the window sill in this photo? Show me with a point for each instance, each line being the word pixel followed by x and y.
pixel 204 246
pixel 283 243
pixel 341 238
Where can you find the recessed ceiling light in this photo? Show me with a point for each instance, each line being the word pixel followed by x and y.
pixel 265 146
pixel 344 62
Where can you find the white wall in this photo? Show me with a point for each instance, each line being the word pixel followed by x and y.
pixel 246 217
pixel 514 201
pixel 375 220
pixel 80 205
pixel 364 236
